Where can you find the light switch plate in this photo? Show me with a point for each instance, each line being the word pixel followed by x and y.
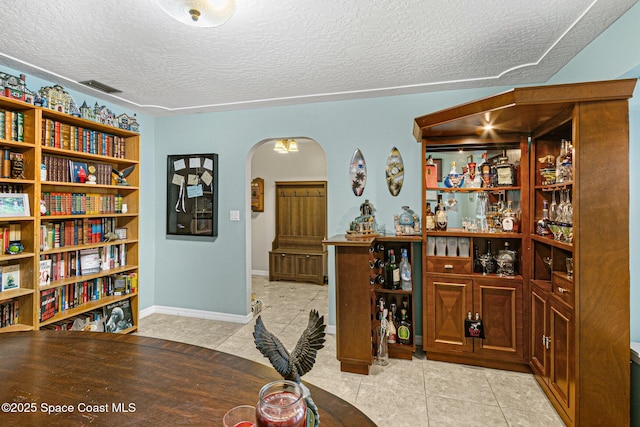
pixel 234 215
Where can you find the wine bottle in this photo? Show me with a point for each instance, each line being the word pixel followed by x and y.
pixel 393 272
pixel 376 247
pixel 405 271
pixel 376 263
pixel 378 278
pixel 477 265
pixel 490 267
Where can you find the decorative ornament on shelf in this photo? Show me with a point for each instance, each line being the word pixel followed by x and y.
pixel 121 176
pixel 365 224
pixel 454 179
pixel 294 365
pixel 407 223
pixel 199 13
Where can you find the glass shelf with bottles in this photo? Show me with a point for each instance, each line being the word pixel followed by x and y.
pixel 481 214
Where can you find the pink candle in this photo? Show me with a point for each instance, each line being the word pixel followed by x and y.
pixel 281 404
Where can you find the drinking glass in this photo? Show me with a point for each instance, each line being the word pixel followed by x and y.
pixel 281 403
pixel 570 267
pixel 240 416
pixel 441 246
pixel 431 246
pixel 452 246
pixel 463 246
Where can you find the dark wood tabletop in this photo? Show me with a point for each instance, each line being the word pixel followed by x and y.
pixel 53 378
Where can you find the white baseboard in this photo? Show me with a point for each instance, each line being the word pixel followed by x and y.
pixel 259 273
pixel 200 314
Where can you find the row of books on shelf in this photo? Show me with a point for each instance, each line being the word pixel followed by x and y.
pixel 62 169
pixel 115 317
pixel 12 125
pixel 63 135
pixel 62 203
pixel 81 231
pixel 9 313
pixel 66 265
pixel 63 298
pixel 9 233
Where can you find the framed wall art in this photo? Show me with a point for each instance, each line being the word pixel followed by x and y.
pixel 192 195
pixel 14 204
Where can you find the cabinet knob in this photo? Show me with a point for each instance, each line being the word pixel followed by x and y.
pixel 563 290
pixel 283 254
pixel 307 256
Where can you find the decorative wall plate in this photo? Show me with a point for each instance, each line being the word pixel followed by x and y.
pixel 358 172
pixel 394 172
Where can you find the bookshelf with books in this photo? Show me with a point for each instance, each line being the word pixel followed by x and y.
pixel 59 169
pixel 18 148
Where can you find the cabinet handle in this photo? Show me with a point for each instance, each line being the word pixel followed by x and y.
pixel 563 290
pixel 546 342
pixel 448 266
pixel 283 254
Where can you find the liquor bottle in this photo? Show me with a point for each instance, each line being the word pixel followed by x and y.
pixel 405 271
pixel 477 266
pixel 404 328
pixel 542 225
pixel 429 219
pixel 376 263
pixel 567 162
pixel 393 310
pixel 391 330
pixel 560 176
pixel 505 172
pixel 441 215
pixel 378 278
pixel 490 267
pixel 393 272
pixel 506 261
pixel 508 218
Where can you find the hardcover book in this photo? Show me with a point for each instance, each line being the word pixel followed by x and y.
pixel 118 316
pixel 89 261
pixel 10 277
pixel 45 272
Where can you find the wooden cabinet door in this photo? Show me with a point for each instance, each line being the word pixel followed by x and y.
pixel 309 268
pixel 282 266
pixel 500 305
pixel 539 331
pixel 562 356
pixel 448 302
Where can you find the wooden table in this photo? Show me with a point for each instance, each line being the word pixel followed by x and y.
pixel 114 379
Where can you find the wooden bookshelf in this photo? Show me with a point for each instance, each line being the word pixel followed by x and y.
pixel 42 134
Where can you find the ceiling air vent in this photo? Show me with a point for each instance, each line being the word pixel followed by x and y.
pixel 100 86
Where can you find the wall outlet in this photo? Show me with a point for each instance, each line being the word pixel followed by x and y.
pixel 234 215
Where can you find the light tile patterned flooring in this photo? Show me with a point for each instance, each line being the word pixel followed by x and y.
pixel 412 393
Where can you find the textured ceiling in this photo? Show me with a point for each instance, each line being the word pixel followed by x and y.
pixel 277 52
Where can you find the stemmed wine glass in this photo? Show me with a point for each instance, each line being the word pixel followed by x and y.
pixel 553 209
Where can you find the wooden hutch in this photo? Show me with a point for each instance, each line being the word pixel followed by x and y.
pixel 572 331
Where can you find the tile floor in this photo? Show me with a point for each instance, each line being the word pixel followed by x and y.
pixel 435 393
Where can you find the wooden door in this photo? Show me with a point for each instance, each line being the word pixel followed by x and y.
pixel 448 302
pixel 562 358
pixel 539 331
pixel 499 303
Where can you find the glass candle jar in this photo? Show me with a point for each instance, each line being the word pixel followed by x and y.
pixel 281 404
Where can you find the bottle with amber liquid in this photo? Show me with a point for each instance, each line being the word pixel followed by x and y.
pixel 429 219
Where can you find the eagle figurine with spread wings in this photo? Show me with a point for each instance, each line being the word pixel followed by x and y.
pixel 121 176
pixel 297 363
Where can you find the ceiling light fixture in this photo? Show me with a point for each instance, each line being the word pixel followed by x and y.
pixel 284 146
pixel 199 13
